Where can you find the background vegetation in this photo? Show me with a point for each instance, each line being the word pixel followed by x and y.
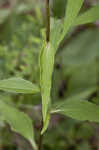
pixel 76 72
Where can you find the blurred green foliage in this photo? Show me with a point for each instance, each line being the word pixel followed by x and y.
pixel 76 70
pixel 58 8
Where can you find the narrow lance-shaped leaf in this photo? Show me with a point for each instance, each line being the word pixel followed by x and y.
pixel 46 70
pixel 72 11
pixel 60 30
pixel 83 94
pixel 56 31
pixel 81 110
pixel 18 121
pixel 91 15
pixel 18 85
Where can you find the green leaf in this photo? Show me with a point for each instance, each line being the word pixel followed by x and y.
pixel 18 121
pixel 71 13
pixel 56 31
pixel 82 50
pixel 82 94
pixel 18 85
pixel 46 70
pixel 79 109
pixel 46 123
pixel 89 16
pixel 83 79
pixel 59 30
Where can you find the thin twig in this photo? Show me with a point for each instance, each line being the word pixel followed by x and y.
pixel 40 142
pixel 41 138
pixel 47 21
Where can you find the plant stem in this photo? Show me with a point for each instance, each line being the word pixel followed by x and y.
pixel 47 40
pixel 41 138
pixel 40 142
pixel 47 21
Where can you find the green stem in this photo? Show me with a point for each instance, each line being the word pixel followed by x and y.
pixel 47 40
